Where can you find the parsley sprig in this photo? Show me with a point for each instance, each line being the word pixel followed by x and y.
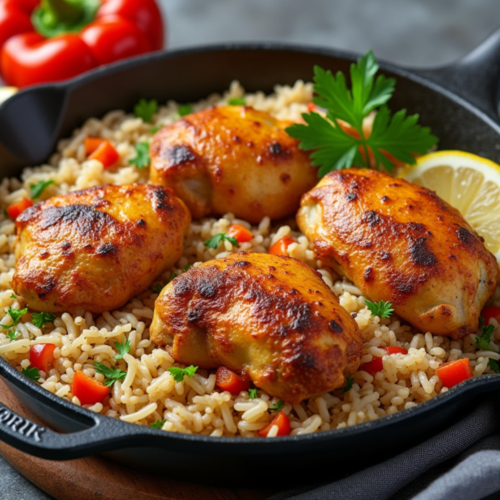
pixel 237 101
pixel 32 372
pixel 146 109
pixel 112 375
pixel 184 109
pixel 15 315
pixel 13 334
pixel 179 373
pixel 38 188
pixel 277 406
pixel 381 309
pixel 348 386
pixel 142 158
pixel 218 238
pixel 494 365
pixel 158 424
pixel 483 340
pixel 122 348
pixel 335 149
pixel 41 319
pixel 252 393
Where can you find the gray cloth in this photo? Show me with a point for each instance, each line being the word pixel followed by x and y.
pixel 460 463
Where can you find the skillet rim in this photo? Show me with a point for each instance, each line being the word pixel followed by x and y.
pixel 84 416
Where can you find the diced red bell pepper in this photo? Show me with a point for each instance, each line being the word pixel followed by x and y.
pixel 241 233
pixel 311 107
pixel 490 312
pixel 283 423
pixel 454 372
pixel 106 154
pixel 281 246
pixel 42 356
pixel 92 143
pixel 393 349
pixel 229 381
pixel 14 211
pixel 88 390
pixel 376 364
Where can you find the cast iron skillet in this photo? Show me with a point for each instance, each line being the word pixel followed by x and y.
pixel 458 102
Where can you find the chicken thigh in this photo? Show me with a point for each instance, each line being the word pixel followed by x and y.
pixel 232 159
pixel 269 317
pixel 401 243
pixel 95 249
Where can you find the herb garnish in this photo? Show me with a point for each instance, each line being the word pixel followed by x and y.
pixel 146 109
pixel 237 101
pixel 185 109
pixel 157 288
pixel 158 424
pixel 142 158
pixel 252 393
pixel 188 267
pixel 179 373
pixel 40 319
pixel 483 340
pixel 334 148
pixel 33 373
pixel 381 309
pixel 494 365
pixel 155 129
pixel 112 374
pixel 122 348
pixel 13 296
pixel 38 188
pixel 277 406
pixel 13 334
pixel 16 316
pixel 218 238
pixel 348 385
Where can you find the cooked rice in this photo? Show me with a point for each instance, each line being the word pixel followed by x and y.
pixel 149 393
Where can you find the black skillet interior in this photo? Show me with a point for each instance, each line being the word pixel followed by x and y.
pixel 30 125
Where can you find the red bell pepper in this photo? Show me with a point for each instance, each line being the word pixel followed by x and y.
pixel 282 421
pixel 230 381
pixel 14 211
pixel 376 364
pixel 241 233
pixel 42 356
pixel 490 312
pixel 88 390
pixel 454 372
pixel 52 40
pixel 281 246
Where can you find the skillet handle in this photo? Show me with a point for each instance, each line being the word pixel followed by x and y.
pixel 475 77
pixel 39 441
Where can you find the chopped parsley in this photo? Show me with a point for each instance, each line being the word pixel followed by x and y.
pixel 13 334
pixel 179 373
pixel 381 309
pixel 146 109
pixel 157 288
pixel 38 188
pixel 158 424
pixel 277 406
pixel 348 386
pixel 172 277
pixel 40 319
pixel 122 348
pixel 142 158
pixel 188 267
pixel 112 374
pixel 33 373
pixel 218 238
pixel 13 296
pixel 155 129
pixel 483 340
pixel 334 148
pixel 237 101
pixel 185 109
pixel 15 315
pixel 494 365
pixel 252 393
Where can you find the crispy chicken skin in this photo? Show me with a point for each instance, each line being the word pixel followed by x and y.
pixel 269 317
pixel 232 159
pixel 401 243
pixel 97 248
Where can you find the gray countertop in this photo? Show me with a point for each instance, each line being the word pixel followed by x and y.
pixel 421 33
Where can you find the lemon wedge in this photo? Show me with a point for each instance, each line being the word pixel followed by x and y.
pixel 467 182
pixel 6 92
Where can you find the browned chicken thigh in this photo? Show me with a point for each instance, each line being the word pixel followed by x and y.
pixel 269 317
pixel 401 243
pixel 232 159
pixel 95 249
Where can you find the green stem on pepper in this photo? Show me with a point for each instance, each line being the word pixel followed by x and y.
pixel 56 11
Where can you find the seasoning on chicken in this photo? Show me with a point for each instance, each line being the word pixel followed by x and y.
pixel 401 243
pixel 268 317
pixel 232 159
pixel 95 249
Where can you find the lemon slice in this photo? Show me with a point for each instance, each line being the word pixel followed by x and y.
pixel 6 92
pixel 467 182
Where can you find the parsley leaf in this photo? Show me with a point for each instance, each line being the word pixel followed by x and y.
pixel 494 365
pixel 13 334
pixel 252 393
pixel 334 148
pixel 146 109
pixel 348 385
pixel 158 424
pixel 16 315
pixel 483 340
pixel 142 158
pixel 179 373
pixel 112 374
pixel 13 296
pixel 185 109
pixel 218 238
pixel 157 288
pixel 40 319
pixel 188 267
pixel 155 129
pixel 237 101
pixel 277 406
pixel 38 188
pixel 33 373
pixel 381 309
pixel 122 348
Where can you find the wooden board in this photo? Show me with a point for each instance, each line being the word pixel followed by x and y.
pixel 98 478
